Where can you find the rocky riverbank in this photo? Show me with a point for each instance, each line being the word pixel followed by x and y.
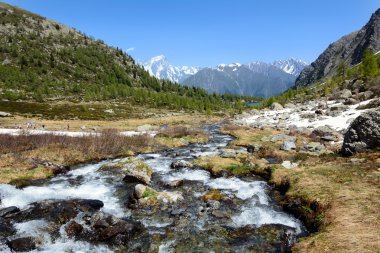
pixel 325 158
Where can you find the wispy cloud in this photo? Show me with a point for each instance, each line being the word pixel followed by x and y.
pixel 130 49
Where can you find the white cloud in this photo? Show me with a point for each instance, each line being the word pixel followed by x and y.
pixel 130 49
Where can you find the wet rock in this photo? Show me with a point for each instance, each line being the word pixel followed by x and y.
pixel 22 244
pixel 101 223
pixel 363 133
pixel 266 238
pixel 289 165
pixel 282 137
pixel 88 205
pixel 73 229
pixel 175 183
pixel 181 164
pixel 9 210
pixel 253 148
pixel 59 211
pixel 276 106
pixel 288 145
pixel 119 233
pixel 6 228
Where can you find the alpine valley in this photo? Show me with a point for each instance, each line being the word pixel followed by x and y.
pixel 101 154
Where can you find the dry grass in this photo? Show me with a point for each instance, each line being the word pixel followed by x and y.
pixel 24 157
pixel 334 195
pixel 347 199
pixel 178 136
pixel 107 143
pixel 246 136
pixel 122 125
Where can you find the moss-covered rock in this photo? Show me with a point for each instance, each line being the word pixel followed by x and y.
pixel 148 197
pixel 133 169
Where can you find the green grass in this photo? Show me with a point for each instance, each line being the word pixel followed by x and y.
pixel 238 169
pixel 149 193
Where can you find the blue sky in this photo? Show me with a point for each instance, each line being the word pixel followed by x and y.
pixel 210 32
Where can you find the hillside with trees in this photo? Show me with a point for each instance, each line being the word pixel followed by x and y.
pixel 45 60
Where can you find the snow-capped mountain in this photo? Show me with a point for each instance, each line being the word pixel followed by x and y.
pixel 256 78
pixel 159 67
pixel 291 66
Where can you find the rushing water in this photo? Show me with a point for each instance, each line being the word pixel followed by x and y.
pixel 191 225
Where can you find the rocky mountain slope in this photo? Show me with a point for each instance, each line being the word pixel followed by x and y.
pixel 348 50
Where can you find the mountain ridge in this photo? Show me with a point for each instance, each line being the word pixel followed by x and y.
pixel 255 78
pixel 348 50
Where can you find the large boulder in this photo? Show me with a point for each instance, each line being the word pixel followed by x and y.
pixel 133 169
pixel 363 133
